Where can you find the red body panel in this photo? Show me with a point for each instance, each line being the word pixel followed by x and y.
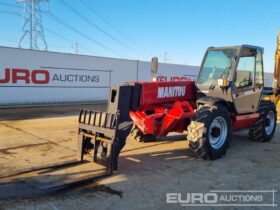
pixel 176 117
pixel 244 121
pixel 164 107
pixel 160 93
pixel 168 106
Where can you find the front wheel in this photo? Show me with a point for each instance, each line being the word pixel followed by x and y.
pixel 209 133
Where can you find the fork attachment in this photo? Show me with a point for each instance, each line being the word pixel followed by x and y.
pixel 97 131
pixel 107 131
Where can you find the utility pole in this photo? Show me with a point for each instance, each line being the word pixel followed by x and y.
pixel 32 28
pixel 77 48
pixel 165 59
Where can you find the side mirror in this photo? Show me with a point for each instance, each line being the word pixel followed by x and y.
pixel 154 67
pixel 223 83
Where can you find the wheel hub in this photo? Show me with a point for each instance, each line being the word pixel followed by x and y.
pixel 270 122
pixel 218 132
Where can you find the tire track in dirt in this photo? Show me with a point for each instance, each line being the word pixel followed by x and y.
pixel 35 136
pixel 6 151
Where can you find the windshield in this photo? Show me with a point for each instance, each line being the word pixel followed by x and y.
pixel 217 65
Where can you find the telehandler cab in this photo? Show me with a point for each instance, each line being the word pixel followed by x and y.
pixel 227 96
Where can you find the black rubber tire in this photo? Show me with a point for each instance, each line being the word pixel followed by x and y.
pixel 199 132
pixel 258 132
pixel 136 135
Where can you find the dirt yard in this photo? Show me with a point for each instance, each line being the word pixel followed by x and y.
pixel 31 138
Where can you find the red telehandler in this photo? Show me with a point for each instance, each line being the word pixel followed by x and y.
pixel 226 96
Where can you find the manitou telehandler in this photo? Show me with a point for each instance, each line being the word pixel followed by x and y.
pixel 226 96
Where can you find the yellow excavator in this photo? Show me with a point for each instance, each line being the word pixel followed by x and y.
pixel 277 75
pixel 274 95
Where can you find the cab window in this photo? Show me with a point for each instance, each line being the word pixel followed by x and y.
pixel 245 69
pixel 259 69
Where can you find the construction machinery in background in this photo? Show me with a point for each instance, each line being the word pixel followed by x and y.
pixel 273 94
pixel 227 96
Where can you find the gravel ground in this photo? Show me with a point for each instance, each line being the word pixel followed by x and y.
pixel 147 171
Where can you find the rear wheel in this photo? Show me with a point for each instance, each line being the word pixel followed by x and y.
pixel 209 133
pixel 263 130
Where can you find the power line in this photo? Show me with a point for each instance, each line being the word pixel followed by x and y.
pixel 7 38
pixel 113 27
pixel 9 12
pixel 46 29
pixel 97 27
pixel 86 49
pixel 63 2
pixel 7 4
pixel 60 21
pixel 67 40
pixel 65 24
pixel 58 35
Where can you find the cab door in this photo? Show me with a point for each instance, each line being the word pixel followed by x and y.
pixel 248 81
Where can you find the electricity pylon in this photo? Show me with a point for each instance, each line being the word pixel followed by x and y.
pixel 32 27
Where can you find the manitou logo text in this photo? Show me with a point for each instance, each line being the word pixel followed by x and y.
pixel 170 92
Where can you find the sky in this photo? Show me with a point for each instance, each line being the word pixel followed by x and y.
pixel 176 31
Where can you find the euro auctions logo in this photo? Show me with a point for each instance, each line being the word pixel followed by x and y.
pixel 48 78
pixel 26 76
pixel 240 198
